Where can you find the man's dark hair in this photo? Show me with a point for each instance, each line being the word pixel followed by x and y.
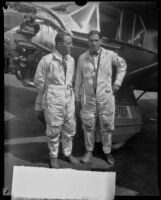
pixel 93 32
pixel 60 37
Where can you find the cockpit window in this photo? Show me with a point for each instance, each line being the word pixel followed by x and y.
pixel 109 21
pixel 126 23
pixel 132 28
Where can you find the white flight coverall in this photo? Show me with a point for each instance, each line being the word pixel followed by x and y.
pixel 94 90
pixel 58 100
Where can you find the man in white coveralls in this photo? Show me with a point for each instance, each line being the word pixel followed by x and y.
pixel 54 79
pixel 94 89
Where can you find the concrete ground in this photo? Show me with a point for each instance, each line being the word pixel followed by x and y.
pixel 25 144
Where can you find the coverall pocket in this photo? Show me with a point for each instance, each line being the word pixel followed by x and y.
pixel 70 127
pixel 107 121
pixel 50 97
pixel 52 131
pixel 88 121
pixel 51 118
pixel 108 89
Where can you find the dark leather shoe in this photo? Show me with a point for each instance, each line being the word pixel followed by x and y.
pixel 110 160
pixel 54 163
pixel 87 157
pixel 72 160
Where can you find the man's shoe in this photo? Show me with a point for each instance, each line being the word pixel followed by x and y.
pixel 72 160
pixel 110 160
pixel 54 163
pixel 87 157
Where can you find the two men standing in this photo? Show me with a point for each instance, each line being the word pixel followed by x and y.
pixel 93 90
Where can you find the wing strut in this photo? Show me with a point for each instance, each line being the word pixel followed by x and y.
pixel 140 95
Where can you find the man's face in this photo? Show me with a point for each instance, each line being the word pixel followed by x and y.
pixel 94 42
pixel 66 45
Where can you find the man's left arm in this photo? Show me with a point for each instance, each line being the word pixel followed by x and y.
pixel 121 68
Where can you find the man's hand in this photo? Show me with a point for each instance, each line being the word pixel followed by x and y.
pixel 115 89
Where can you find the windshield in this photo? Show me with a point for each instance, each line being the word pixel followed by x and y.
pixel 126 26
pixel 132 28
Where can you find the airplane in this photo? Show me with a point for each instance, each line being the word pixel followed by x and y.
pixel 125 28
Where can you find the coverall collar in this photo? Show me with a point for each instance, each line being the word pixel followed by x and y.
pixel 58 56
pixel 88 55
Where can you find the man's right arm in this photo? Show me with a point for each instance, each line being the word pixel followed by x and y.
pixel 39 82
pixel 39 79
